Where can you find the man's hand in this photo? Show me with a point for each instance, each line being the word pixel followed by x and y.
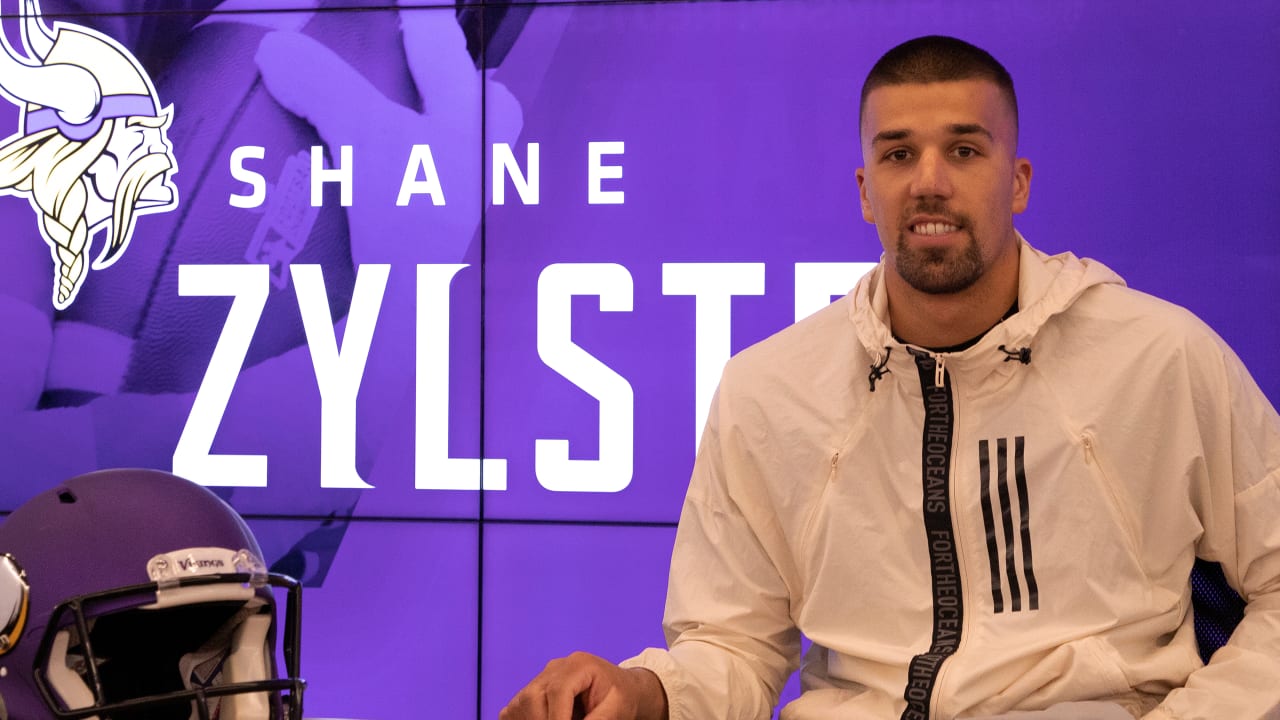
pixel 588 687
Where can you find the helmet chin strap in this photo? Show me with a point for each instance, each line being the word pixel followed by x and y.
pixel 67 682
pixel 250 660
pixel 203 667
pixel 236 653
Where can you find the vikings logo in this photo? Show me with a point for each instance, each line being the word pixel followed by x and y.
pixel 91 152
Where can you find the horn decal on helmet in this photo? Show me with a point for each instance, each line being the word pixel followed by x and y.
pixel 67 89
pixel 38 38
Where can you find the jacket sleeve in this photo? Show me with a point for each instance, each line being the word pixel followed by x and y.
pixel 732 641
pixel 1237 497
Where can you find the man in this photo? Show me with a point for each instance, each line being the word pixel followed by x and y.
pixel 978 483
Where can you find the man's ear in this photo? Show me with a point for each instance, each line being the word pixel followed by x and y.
pixel 867 214
pixel 1021 184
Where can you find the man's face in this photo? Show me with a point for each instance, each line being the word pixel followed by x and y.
pixel 941 181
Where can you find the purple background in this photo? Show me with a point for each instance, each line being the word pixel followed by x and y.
pixel 1151 128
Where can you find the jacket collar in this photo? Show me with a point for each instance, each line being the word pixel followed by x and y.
pixel 1047 285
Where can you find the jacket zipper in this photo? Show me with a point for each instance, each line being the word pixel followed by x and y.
pixel 1122 509
pixel 937 460
pixel 935 704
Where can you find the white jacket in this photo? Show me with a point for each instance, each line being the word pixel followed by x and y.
pixel 1020 536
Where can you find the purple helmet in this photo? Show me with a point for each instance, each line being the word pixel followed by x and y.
pixel 129 594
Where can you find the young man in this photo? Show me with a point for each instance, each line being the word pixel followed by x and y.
pixel 978 483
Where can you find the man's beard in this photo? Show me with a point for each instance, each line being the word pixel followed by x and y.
pixel 939 270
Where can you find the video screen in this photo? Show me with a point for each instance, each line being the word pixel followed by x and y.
pixel 437 296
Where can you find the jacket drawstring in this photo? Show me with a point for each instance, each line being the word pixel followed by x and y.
pixel 1022 354
pixel 878 369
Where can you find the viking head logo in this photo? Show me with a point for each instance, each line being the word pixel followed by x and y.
pixel 91 152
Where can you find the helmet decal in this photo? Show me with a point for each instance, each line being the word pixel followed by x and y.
pixel 203 561
pixel 91 152
pixel 15 598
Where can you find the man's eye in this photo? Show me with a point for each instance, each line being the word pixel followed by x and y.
pixel 965 152
pixel 897 155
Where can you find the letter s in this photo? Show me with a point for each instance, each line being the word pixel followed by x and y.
pixel 245 175
pixel 554 468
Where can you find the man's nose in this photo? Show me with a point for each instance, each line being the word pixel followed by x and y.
pixel 932 176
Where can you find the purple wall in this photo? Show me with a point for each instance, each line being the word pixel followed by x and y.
pixel 1151 128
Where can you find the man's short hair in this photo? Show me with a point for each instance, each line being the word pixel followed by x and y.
pixel 937 58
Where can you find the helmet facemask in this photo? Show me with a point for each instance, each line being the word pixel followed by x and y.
pixel 195 648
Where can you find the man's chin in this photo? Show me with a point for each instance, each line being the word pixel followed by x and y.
pixel 942 288
pixel 939 269
pixel 938 276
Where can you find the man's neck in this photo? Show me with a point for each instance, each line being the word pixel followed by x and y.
pixel 929 320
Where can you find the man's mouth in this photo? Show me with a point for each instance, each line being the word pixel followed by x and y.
pixel 933 228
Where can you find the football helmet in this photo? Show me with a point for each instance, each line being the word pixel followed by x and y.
pixel 130 594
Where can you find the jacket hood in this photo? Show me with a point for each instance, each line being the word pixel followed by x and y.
pixel 1047 285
